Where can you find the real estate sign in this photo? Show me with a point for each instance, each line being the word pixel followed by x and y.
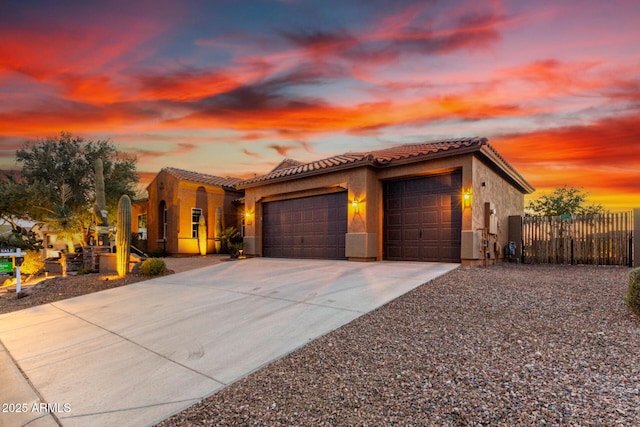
pixel 6 265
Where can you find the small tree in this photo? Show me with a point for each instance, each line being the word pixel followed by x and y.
pixel 51 164
pixel 562 201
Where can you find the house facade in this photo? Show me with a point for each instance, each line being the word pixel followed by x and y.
pixel 176 200
pixel 443 201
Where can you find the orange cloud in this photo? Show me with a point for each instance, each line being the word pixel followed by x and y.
pixel 601 157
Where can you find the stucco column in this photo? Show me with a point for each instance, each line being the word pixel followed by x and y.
pixel 250 219
pixel 361 240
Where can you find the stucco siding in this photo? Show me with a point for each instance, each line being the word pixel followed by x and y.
pixel 181 197
pixel 490 187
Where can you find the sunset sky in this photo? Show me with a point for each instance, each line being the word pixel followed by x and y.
pixel 233 87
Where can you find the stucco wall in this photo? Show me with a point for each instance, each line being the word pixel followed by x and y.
pixel 181 197
pixel 163 187
pixel 208 198
pixel 488 186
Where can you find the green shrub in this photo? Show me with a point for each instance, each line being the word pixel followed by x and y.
pixel 84 270
pixel 153 267
pixel 633 292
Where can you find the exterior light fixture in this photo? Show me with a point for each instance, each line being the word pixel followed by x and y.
pixel 355 205
pixel 466 199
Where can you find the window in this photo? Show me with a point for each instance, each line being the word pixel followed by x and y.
pixel 195 219
pixel 142 227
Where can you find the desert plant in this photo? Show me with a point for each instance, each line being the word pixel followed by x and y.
pixel 153 267
pixel 33 263
pixel 123 237
pixel 218 229
pixel 232 241
pixel 633 292
pixel 84 270
pixel 202 235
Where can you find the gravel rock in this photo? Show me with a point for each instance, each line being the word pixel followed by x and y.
pixel 505 345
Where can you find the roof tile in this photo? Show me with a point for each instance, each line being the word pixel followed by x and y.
pixel 203 178
pixel 380 157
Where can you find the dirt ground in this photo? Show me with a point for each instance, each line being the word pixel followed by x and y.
pixel 57 288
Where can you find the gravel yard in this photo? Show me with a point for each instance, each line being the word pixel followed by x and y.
pixel 505 345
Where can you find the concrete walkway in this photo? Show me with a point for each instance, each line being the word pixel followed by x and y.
pixel 137 354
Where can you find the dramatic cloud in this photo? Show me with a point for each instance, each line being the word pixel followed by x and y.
pixel 601 157
pixel 280 149
pixel 230 88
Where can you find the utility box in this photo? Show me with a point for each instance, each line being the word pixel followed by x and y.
pixel 515 233
pixel 471 245
pixel 490 218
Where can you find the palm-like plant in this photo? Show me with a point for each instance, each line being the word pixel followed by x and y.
pixel 232 240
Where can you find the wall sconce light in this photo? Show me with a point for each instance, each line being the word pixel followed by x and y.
pixel 466 199
pixel 248 217
pixel 355 205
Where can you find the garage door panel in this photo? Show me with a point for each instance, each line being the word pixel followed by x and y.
pixel 394 204
pixel 394 235
pixel 430 201
pixel 310 227
pixel 411 202
pixel 430 226
pixel 430 218
pixel 394 219
pixel 411 235
pixel 411 253
pixel 411 219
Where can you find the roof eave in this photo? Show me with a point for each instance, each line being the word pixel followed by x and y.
pixel 488 153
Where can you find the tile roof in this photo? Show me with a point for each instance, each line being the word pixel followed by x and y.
pixel 287 163
pixel 203 178
pixel 407 153
pixel 381 157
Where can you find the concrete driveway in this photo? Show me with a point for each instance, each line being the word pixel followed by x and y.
pixel 137 354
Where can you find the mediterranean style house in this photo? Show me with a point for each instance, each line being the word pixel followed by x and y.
pixel 445 201
pixel 168 219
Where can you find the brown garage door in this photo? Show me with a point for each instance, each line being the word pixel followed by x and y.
pixel 310 227
pixel 423 218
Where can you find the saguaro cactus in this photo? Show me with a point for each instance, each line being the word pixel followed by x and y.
pixel 202 235
pixel 218 229
pixel 123 238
